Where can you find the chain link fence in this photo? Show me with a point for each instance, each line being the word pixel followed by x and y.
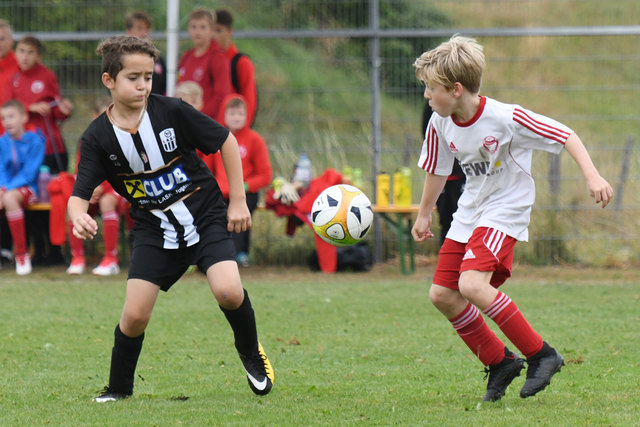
pixel 573 60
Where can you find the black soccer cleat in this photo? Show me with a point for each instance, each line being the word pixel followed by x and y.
pixel 542 366
pixel 107 395
pixel 259 371
pixel 501 375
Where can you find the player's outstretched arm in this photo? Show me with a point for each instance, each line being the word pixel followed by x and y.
pixel 238 215
pixel 84 227
pixel 598 187
pixel 433 186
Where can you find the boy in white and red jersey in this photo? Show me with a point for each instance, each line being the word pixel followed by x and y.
pixel 493 143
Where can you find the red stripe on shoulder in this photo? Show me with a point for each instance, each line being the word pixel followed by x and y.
pixel 541 128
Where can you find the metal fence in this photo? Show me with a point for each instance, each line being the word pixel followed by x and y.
pixel 335 81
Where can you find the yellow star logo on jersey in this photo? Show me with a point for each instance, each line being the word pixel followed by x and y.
pixel 135 188
pixel 498 163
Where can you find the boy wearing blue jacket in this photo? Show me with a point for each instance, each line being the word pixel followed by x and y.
pixel 21 154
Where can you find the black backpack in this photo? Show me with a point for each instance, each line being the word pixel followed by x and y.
pixel 234 80
pixel 350 258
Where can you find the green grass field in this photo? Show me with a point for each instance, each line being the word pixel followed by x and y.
pixel 347 349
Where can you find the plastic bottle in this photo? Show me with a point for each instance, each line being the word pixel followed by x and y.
pixel 303 173
pixel 43 180
pixel 383 184
pixel 402 187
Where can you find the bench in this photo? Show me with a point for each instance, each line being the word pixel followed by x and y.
pixel 399 219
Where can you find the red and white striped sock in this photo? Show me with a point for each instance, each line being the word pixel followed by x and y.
pixel 511 321
pixel 475 333
pixel 110 223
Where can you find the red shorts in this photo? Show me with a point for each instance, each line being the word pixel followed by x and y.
pixel 28 196
pixel 487 250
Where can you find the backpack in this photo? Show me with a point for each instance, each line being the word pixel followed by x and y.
pixel 234 80
pixel 350 258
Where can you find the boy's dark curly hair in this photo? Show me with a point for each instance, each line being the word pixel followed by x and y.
pixel 114 48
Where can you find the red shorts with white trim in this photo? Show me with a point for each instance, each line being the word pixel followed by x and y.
pixel 487 250
pixel 28 196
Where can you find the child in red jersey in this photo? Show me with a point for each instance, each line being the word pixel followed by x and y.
pixel 37 88
pixel 206 63
pixel 493 142
pixel 243 73
pixel 8 63
pixel 256 167
pixel 8 67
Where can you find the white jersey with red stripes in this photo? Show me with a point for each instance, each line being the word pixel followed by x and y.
pixel 494 149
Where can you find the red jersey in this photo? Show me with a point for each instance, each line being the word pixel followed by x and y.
pixel 246 75
pixel 211 72
pixel 8 68
pixel 256 167
pixel 36 85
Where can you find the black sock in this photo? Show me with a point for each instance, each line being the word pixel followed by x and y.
pixel 546 350
pixel 243 324
pixel 124 358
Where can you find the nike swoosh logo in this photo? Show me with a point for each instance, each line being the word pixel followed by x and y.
pixel 260 385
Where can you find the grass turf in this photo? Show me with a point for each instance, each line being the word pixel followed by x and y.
pixel 347 349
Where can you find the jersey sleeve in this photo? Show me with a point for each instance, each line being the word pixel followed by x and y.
pixel 435 157
pixel 204 133
pixel 90 169
pixel 537 132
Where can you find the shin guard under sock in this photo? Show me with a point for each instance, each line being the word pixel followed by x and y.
pixel 475 333
pixel 510 320
pixel 243 324
pixel 124 358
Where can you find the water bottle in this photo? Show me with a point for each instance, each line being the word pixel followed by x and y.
pixel 402 187
pixel 43 180
pixel 302 172
pixel 383 183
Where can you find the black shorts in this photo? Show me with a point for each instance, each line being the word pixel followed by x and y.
pixel 164 267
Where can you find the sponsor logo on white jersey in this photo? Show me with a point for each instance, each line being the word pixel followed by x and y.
pixel 490 144
pixel 452 147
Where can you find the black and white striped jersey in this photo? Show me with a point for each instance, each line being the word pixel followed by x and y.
pixel 173 194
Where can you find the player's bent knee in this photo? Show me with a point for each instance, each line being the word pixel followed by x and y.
pixel 471 288
pixel 442 297
pixel 229 297
pixel 133 324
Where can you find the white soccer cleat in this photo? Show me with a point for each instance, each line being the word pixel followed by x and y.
pixel 76 267
pixel 23 265
pixel 106 269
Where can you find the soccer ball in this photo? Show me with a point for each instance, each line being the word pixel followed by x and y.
pixel 342 215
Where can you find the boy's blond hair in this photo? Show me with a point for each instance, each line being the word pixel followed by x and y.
pixel 202 13
pixel 189 88
pixel 460 59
